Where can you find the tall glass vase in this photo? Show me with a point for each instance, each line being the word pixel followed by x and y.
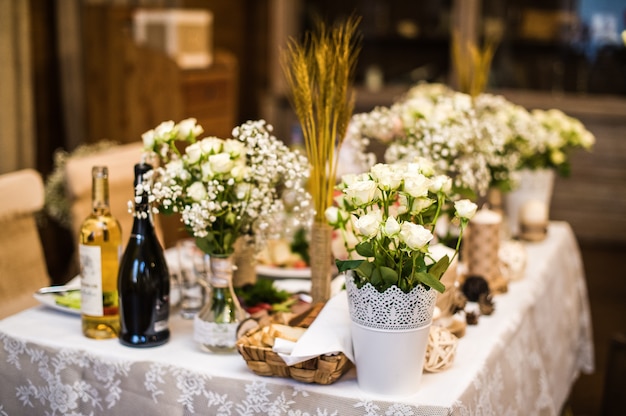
pixel 321 262
pixel 215 326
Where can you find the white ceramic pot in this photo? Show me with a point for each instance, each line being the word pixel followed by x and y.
pixel 389 336
pixel 535 186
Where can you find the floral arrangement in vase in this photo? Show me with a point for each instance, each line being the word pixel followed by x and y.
pixel 434 122
pixel 481 141
pixel 225 188
pixel 387 219
pixel 561 135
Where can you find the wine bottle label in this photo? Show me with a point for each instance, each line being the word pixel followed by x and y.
pixel 91 280
pixel 214 334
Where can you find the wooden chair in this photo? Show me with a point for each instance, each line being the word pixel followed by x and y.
pixel 22 261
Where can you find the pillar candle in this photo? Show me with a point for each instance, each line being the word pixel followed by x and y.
pixel 481 245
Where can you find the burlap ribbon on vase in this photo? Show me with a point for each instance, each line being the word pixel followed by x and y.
pixel 321 262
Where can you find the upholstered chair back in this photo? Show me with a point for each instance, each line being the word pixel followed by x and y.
pixel 22 261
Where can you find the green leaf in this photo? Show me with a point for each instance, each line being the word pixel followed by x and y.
pixel 389 275
pixel 376 277
pixel 345 265
pixel 439 268
pixel 365 269
pixel 430 280
pixel 262 291
pixel 300 244
pixel 365 249
pixel 420 263
pixel 407 269
pixel 206 244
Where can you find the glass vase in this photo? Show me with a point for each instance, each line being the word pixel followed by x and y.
pixel 215 326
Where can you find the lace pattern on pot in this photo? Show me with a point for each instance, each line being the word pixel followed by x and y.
pixel 392 309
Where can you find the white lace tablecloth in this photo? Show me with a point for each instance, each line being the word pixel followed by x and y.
pixel 522 360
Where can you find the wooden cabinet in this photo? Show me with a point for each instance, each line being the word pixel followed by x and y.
pixel 130 89
pixel 210 95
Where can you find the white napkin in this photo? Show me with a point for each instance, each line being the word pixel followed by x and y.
pixel 328 334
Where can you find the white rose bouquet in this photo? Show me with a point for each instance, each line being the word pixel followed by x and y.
pixel 224 188
pixel 387 218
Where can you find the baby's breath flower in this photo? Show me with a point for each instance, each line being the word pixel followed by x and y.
pixel 226 188
pixel 479 142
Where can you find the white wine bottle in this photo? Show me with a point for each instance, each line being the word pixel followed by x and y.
pixel 100 246
pixel 143 280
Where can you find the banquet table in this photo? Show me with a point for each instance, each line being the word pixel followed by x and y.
pixel 521 360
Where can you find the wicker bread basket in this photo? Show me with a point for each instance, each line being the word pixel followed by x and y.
pixel 325 369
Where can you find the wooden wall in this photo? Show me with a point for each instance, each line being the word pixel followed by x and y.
pixel 593 198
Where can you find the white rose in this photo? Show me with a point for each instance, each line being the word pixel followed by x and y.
pixel 207 171
pixel 361 192
pixel 197 191
pixel 188 127
pixel 424 166
pixel 175 168
pixel 164 129
pixel 148 139
pixel 465 208
pixel 386 176
pixel 369 224
pixel 415 236
pixel 211 145
pixel 221 163
pixel 348 179
pixel 416 185
pixel 379 169
pixel 441 183
pixel 392 227
pixel 587 139
pixel 420 204
pixel 194 153
pixel 403 204
pixel 234 147
pixel 332 215
pixel 239 171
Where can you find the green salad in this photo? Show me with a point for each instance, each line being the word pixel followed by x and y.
pixel 69 299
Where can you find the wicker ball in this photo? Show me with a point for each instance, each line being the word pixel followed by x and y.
pixel 441 349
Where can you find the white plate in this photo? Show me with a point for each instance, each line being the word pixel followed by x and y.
pixel 49 299
pixel 283 272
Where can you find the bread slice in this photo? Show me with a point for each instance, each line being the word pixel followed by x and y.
pixel 290 333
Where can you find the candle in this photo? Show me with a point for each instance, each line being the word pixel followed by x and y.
pixel 481 246
pixel 486 216
pixel 533 220
pixel 534 212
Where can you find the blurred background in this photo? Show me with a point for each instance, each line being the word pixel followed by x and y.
pixel 76 72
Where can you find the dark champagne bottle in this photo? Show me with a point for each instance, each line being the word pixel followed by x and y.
pixel 143 280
